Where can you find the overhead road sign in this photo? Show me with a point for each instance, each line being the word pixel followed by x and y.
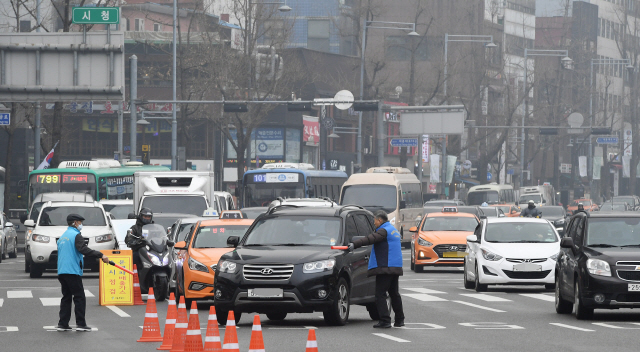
pixel 607 140
pixel 96 15
pixel 404 142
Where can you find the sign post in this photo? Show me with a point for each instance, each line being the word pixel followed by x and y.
pixel 116 286
pixel 146 155
pixel 96 15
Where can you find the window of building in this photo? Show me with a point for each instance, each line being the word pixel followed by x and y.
pixel 318 34
pixel 139 25
pixel 25 26
pixel 157 27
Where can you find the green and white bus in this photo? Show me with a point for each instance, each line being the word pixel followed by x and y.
pixel 102 179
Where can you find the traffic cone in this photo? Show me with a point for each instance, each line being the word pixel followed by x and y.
pixel 231 335
pixel 212 338
pixel 256 344
pixel 312 344
pixel 137 295
pixel 180 332
pixel 193 342
pixel 151 329
pixel 170 324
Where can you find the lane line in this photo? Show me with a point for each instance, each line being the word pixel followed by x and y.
pixel 484 297
pixel 88 293
pixel 119 311
pixel 539 296
pixel 571 327
pixel 392 338
pixel 422 290
pixel 424 297
pixel 9 328
pixel 480 307
pixel 1 302
pixel 50 302
pixel 19 294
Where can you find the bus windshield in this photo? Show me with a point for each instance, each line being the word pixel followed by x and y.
pixel 262 188
pixel 371 197
pixel 61 182
pixel 479 197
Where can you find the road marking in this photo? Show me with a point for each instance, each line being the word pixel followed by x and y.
pixel 486 298
pixel 88 293
pixel 422 290
pixel 392 338
pixel 424 297
pixel 8 328
pixel 479 306
pixel 53 328
pixel 293 328
pixel 49 302
pixel 119 311
pixel 570 327
pixel 19 294
pixel 422 326
pixel 1 302
pixel 539 296
pixel 617 327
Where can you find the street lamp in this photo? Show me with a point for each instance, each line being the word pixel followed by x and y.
pixel 486 39
pixel 405 26
pixel 566 61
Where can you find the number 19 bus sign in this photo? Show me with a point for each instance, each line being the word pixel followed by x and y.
pixel 96 15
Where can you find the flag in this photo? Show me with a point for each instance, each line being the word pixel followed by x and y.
pixel 47 159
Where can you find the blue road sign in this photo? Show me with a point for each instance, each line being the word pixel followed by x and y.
pixel 5 119
pixel 607 140
pixel 489 176
pixel 404 142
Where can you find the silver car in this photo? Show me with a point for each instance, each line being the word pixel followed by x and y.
pixel 8 239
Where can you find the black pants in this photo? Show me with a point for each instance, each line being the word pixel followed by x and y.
pixel 388 283
pixel 72 289
pixel 136 260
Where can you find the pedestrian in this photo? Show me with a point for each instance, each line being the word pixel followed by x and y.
pixel 385 263
pixel 71 248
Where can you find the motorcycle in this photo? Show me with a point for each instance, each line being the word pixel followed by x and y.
pixel 156 261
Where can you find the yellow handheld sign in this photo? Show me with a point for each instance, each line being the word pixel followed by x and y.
pixel 116 286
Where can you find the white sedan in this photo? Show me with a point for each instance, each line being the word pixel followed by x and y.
pixel 506 251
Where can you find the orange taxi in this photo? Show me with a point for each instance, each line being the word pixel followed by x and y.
pixel 441 239
pixel 511 211
pixel 588 205
pixel 199 253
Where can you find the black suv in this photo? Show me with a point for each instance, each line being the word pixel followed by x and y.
pixel 285 264
pixel 599 264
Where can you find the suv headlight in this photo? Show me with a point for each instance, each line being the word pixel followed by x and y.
pixel 598 267
pixel 559 222
pixel 104 238
pixel 227 267
pixel 490 256
pixel 319 266
pixel 196 265
pixel 423 242
pixel 555 257
pixel 41 238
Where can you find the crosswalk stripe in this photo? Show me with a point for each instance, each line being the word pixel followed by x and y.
pixel 571 327
pixel 480 307
pixel 424 297
pixel 19 294
pixel 539 296
pixel 392 338
pixel 49 302
pixel 1 302
pixel 119 311
pixel 484 297
pixel 422 290
pixel 88 293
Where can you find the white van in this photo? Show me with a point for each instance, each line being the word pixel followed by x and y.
pixel 492 193
pixel 395 190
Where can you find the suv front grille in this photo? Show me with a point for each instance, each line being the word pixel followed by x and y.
pixel 441 248
pixel 538 260
pixel 628 297
pixel 629 263
pixel 267 272
pixel 527 275
pixel 629 275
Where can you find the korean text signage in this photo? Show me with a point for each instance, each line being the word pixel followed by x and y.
pixel 5 119
pixel 607 140
pixel 96 15
pixel 116 286
pixel 404 142
pixel 276 178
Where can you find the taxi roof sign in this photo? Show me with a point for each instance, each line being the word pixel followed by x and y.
pixel 210 213
pixel 450 209
pixel 232 214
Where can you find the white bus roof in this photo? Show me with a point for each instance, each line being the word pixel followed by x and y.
pixel 301 166
pixel 389 170
pixel 89 164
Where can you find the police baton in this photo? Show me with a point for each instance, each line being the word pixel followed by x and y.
pixel 121 268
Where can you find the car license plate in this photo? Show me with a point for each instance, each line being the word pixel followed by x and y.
pixel 527 267
pixel 454 254
pixel 634 287
pixel 265 292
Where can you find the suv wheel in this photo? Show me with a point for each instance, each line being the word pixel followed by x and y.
pixel 14 254
pixel 222 316
pixel 467 284
pixel 277 316
pixel 562 306
pixel 27 265
pixel 479 287
pixel 582 312
pixel 36 270
pixel 338 313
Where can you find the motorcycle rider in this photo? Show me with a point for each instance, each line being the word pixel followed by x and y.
pixel 530 211
pixel 134 239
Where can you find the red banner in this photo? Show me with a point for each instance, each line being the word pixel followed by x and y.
pixel 311 129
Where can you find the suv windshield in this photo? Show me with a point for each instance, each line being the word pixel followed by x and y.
pixel 295 230
pixel 614 232
pixel 519 232
pixel 57 216
pixel 449 223
pixel 216 236
pixel 371 197
pixel 195 205
pixel 119 211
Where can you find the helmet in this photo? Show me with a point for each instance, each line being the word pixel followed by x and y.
pixel 74 217
pixel 531 202
pixel 145 212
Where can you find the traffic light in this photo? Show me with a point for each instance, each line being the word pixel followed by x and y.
pixel 235 107
pixel 548 131
pixel 299 106
pixel 600 130
pixel 365 106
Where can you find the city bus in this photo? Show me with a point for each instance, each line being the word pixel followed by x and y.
pixel 289 180
pixel 102 179
pixel 492 193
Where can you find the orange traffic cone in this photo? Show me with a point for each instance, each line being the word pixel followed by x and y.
pixel 312 344
pixel 256 344
pixel 137 295
pixel 193 342
pixel 231 335
pixel 151 329
pixel 180 332
pixel 170 324
pixel 212 338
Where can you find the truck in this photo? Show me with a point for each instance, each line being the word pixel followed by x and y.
pixel 186 192
pixel 541 195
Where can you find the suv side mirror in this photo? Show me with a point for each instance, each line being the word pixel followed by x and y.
pixel 131 216
pixel 30 223
pixel 232 241
pixel 472 238
pixel 413 229
pixel 566 242
pixel 180 245
pixel 8 225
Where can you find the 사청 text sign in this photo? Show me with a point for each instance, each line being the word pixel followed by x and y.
pixel 116 286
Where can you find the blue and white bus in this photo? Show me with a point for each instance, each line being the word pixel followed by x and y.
pixel 289 180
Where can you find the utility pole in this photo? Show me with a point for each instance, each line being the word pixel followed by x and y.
pixel 133 97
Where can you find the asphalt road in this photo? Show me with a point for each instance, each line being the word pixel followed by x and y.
pixel 440 315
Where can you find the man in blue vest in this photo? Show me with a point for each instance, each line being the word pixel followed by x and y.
pixel 71 248
pixel 385 263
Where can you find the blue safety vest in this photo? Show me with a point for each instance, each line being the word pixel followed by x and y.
pixel 387 253
pixel 70 260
